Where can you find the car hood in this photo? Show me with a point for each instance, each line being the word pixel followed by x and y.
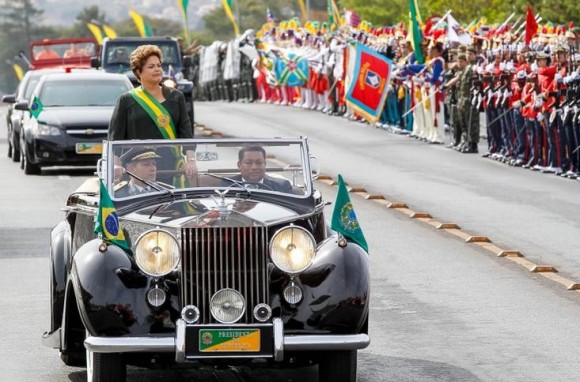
pixel 77 116
pixel 209 212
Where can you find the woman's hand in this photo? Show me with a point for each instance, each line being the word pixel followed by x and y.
pixel 191 168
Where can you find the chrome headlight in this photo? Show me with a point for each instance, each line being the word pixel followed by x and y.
pixel 42 129
pixel 227 306
pixel 292 249
pixel 157 253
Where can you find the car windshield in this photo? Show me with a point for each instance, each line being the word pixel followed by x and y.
pixel 119 53
pixel 63 50
pixel 82 92
pixel 259 166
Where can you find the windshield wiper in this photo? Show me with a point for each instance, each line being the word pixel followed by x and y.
pixel 150 183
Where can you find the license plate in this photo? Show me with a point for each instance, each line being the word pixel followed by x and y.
pixel 229 340
pixel 89 148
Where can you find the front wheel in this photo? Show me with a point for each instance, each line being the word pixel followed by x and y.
pixel 338 366
pixel 105 367
pixel 29 167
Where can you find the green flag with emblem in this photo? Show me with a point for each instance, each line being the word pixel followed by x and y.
pixel 344 219
pixel 36 107
pixel 107 222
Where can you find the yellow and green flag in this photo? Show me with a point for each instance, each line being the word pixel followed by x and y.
pixel 36 107
pixel 109 32
pixel 18 71
pixel 141 24
pixel 303 10
pixel 182 4
pixel 415 36
pixel 344 219
pixel 96 31
pixel 227 4
pixel 107 223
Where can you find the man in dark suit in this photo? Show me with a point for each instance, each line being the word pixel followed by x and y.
pixel 252 166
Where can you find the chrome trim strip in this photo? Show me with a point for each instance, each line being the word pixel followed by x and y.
pixel 180 341
pixel 52 339
pixel 278 339
pixel 130 344
pixel 326 342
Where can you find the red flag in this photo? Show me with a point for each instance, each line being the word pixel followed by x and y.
pixel 531 25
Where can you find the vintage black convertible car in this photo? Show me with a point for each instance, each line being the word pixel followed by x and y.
pixel 220 268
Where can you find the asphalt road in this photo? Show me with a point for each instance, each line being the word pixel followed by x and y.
pixel 441 310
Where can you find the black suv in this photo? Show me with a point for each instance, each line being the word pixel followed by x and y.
pixel 115 55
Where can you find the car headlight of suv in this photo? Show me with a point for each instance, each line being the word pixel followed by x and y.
pixel 42 129
pixel 157 253
pixel 292 249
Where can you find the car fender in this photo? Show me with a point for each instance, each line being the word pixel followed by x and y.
pixel 60 259
pixel 108 304
pixel 336 289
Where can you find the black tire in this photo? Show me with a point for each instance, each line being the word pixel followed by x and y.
pixel 9 148
pixel 16 152
pixel 73 359
pixel 28 167
pixel 338 366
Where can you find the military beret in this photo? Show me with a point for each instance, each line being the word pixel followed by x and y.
pixel 138 153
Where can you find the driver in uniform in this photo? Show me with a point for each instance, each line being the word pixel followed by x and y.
pixel 142 162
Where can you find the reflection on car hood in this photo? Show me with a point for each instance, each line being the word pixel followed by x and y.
pixel 77 116
pixel 207 213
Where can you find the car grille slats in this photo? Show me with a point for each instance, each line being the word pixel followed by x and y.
pixel 218 258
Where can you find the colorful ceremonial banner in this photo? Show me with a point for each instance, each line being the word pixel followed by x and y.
pixel 182 4
pixel 415 35
pixel 96 31
pixel 109 32
pixel 367 91
pixel 333 13
pixel 455 33
pixel 291 70
pixel 344 219
pixel 531 26
pixel 227 4
pixel 107 222
pixel 141 24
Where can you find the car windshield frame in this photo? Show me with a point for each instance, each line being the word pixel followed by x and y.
pixel 221 166
pixel 129 46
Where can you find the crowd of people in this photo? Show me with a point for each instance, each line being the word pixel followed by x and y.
pixel 524 98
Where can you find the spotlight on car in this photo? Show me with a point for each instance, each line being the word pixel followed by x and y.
pixel 156 297
pixel 262 312
pixel 227 306
pixel 293 294
pixel 292 249
pixel 190 314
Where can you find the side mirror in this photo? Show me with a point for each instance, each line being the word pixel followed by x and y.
pixel 9 98
pixel 187 61
pixel 23 105
pixel 95 62
pixel 315 167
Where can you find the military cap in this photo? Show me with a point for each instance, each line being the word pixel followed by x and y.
pixel 521 75
pixel 472 49
pixel 462 56
pixel 138 153
pixel 462 48
pixel 542 55
pixel 570 35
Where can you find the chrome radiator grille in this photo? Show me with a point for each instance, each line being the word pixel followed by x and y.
pixel 217 258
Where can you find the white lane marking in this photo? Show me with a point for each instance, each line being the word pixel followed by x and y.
pixel 64 177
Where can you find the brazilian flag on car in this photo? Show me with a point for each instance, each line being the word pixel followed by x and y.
pixel 344 219
pixel 36 107
pixel 107 223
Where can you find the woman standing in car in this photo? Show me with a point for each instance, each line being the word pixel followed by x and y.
pixel 153 111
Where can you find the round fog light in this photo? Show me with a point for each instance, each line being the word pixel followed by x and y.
pixel 227 306
pixel 156 297
pixel 190 314
pixel 293 294
pixel 262 312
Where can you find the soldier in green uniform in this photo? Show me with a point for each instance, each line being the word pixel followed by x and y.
pixel 451 97
pixel 469 113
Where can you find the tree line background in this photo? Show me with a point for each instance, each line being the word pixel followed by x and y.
pixel 21 22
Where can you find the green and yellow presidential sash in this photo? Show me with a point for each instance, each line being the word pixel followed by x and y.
pixel 163 121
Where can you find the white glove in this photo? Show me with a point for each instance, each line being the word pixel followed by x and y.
pixel 517 104
pixel 534 68
pixel 502 66
pixel 558 78
pixel 419 80
pixel 540 117
pixel 479 69
pixel 510 66
pixel 538 102
pixel 489 68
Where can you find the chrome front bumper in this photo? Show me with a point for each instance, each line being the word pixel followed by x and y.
pixel 177 344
